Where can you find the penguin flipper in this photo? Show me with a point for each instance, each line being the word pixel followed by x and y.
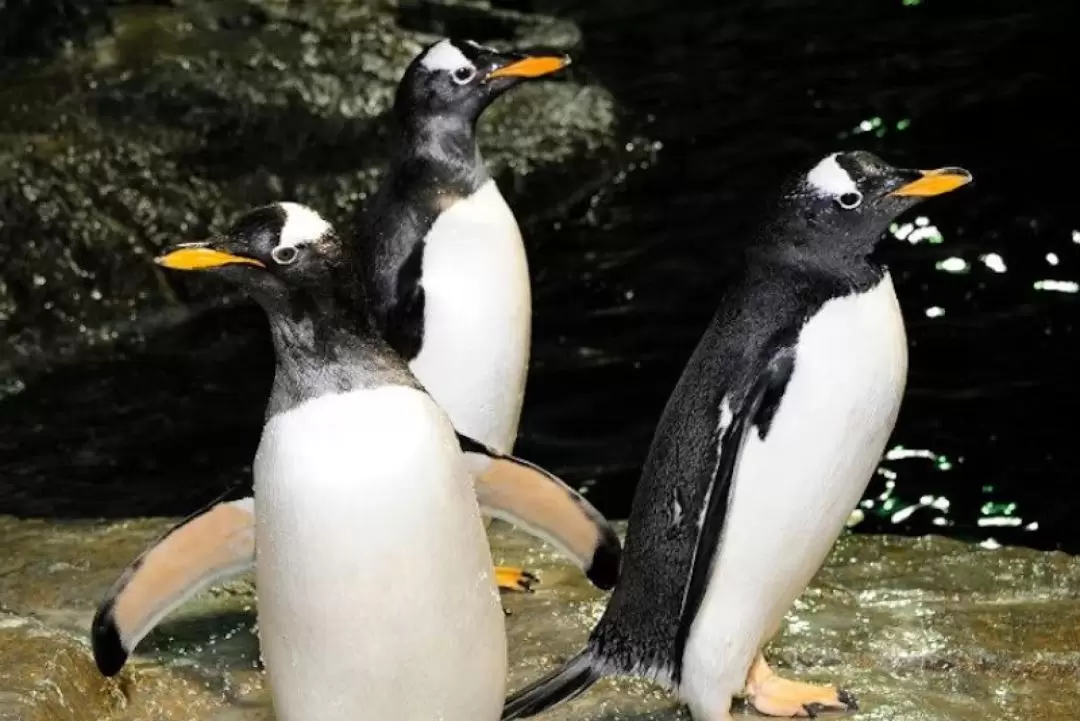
pixel 527 496
pixel 209 546
pixel 732 433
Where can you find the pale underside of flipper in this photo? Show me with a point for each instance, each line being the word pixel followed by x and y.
pixel 218 543
pixel 529 497
pixel 215 544
pixel 211 547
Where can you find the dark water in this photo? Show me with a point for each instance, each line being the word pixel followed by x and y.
pixel 728 97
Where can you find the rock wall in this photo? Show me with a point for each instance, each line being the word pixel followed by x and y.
pixel 181 115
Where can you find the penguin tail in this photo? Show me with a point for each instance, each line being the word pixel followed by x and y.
pixel 578 674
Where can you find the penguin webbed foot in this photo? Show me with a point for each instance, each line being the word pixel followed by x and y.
pixel 772 695
pixel 517 580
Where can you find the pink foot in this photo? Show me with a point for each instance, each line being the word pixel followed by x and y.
pixel 773 695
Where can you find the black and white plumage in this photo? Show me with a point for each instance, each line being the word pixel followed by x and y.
pixel 363 501
pixel 445 256
pixel 766 444
pixel 443 272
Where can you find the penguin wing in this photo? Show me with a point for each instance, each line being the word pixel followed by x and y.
pixel 766 387
pixel 215 543
pixel 404 328
pixel 526 495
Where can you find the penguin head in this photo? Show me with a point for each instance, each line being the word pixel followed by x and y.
pixel 460 78
pixel 856 195
pixel 273 252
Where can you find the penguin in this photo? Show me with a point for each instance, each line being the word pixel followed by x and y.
pixel 443 263
pixel 376 597
pixel 449 278
pixel 767 442
pixel 449 275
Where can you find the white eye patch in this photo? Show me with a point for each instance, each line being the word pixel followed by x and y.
pixel 828 178
pixel 444 55
pixel 302 225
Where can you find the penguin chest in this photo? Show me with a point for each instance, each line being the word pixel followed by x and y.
pixel 376 597
pixel 793 490
pixel 474 353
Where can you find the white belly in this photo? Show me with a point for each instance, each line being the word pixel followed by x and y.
pixel 376 597
pixel 477 318
pixel 793 492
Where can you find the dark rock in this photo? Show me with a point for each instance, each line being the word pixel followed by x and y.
pixel 40 27
pixel 186 115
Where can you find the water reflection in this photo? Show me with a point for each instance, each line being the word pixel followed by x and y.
pixel 919 231
pixel 994 262
pixel 1060 286
pixel 890 507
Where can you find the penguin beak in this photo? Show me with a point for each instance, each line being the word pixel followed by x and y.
pixel 928 183
pixel 200 256
pixel 529 66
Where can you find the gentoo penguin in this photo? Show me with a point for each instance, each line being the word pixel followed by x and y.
pixel 447 281
pixel 764 447
pixel 376 594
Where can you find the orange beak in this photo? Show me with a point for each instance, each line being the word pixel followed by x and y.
pixel 199 257
pixel 934 182
pixel 531 67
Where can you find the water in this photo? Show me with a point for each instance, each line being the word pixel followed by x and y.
pixel 736 96
pixel 626 246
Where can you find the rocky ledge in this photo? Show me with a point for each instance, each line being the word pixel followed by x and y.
pixel 921 629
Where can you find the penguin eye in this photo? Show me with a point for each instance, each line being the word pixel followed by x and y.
pixel 464 74
pixel 848 201
pixel 284 255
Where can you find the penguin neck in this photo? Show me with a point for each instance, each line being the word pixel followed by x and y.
pixel 319 327
pixel 325 341
pixel 446 147
pixel 849 264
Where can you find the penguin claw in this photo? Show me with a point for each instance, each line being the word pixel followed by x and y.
pixel 515 579
pixel 792 709
pixel 847 703
pixel 851 703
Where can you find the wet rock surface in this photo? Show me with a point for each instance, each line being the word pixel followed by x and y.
pixel 39 28
pixel 922 629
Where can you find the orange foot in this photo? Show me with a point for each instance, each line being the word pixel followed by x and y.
pixel 772 695
pixel 514 579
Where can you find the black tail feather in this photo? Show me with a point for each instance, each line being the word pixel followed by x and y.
pixel 564 684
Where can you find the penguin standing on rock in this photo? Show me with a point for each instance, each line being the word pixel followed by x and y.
pixel 376 595
pixel 766 444
pixel 448 272
pixel 449 278
pixel 443 264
